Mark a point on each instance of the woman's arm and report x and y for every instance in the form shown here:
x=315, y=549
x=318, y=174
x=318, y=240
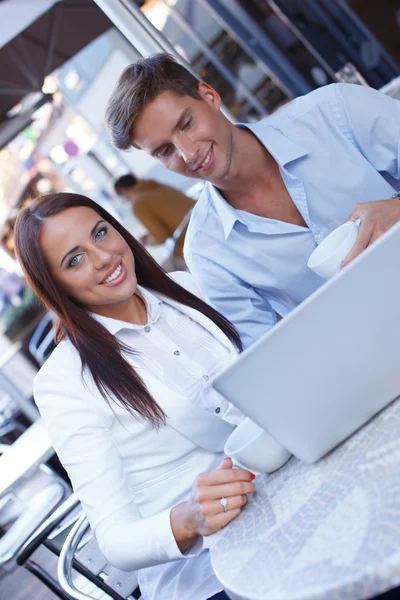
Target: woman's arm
x=82, y=439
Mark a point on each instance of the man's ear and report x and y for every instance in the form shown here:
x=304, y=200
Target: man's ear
x=209, y=94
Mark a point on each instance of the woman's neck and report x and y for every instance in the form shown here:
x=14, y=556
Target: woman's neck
x=132, y=310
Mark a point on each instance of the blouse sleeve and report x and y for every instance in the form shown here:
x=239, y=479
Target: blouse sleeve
x=83, y=441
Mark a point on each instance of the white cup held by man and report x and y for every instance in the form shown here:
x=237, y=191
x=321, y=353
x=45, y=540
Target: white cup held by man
x=254, y=449
x=327, y=258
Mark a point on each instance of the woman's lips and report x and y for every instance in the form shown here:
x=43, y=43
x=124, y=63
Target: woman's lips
x=121, y=276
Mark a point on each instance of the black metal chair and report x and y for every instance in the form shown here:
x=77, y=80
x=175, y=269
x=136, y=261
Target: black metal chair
x=83, y=572
x=22, y=510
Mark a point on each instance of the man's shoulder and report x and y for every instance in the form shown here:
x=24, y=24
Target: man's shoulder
x=296, y=108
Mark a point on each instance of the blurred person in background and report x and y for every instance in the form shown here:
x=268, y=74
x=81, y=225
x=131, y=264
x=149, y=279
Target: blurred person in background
x=159, y=207
x=12, y=287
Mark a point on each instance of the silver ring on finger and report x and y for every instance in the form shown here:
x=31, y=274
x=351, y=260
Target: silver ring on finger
x=224, y=503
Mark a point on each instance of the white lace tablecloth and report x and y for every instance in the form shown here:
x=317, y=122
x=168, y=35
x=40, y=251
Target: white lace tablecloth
x=326, y=531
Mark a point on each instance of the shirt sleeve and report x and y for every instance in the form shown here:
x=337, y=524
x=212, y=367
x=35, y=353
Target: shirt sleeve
x=86, y=448
x=250, y=313
x=372, y=120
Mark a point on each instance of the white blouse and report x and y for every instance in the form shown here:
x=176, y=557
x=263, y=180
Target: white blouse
x=127, y=474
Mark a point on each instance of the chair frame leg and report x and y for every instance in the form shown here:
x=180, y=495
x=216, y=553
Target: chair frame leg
x=49, y=581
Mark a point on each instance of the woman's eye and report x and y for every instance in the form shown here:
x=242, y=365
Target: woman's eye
x=75, y=260
x=187, y=124
x=100, y=234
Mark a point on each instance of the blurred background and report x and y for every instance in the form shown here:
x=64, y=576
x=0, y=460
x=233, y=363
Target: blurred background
x=59, y=61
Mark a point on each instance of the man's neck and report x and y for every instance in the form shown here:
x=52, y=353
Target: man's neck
x=255, y=184
x=252, y=169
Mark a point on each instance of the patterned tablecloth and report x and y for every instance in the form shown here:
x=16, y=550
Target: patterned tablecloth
x=326, y=531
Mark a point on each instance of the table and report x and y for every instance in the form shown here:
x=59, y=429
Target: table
x=32, y=448
x=325, y=531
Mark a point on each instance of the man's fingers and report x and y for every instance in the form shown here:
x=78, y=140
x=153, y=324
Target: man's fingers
x=376, y=235
x=352, y=217
x=363, y=240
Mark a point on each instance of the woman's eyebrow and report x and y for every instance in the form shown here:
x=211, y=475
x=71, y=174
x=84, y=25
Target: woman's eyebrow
x=75, y=248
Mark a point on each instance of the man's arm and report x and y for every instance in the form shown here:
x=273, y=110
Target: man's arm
x=251, y=314
x=373, y=121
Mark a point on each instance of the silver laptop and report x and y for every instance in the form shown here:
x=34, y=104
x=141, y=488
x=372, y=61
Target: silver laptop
x=332, y=364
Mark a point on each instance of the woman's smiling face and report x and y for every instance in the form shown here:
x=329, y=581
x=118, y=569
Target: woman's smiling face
x=89, y=259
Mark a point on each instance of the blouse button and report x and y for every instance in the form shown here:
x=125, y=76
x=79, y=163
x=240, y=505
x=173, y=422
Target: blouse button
x=205, y=378
x=147, y=329
x=177, y=353
x=218, y=410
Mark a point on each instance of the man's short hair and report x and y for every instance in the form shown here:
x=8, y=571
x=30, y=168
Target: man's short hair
x=139, y=85
x=125, y=182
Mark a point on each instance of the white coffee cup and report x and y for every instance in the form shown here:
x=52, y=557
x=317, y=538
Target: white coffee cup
x=327, y=258
x=253, y=448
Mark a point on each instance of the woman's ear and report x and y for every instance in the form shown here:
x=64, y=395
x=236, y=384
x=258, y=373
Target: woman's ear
x=209, y=94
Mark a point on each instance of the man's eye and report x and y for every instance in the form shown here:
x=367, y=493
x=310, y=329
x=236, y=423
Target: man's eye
x=163, y=153
x=100, y=234
x=75, y=260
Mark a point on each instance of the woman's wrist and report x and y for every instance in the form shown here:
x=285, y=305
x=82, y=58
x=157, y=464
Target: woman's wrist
x=183, y=527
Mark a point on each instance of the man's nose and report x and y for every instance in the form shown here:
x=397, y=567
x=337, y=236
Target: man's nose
x=188, y=150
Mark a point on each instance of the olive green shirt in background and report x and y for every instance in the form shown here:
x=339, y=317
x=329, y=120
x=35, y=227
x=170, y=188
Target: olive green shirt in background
x=160, y=209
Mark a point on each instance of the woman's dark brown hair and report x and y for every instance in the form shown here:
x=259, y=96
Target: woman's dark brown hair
x=100, y=351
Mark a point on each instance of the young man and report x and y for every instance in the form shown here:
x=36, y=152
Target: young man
x=159, y=207
x=276, y=188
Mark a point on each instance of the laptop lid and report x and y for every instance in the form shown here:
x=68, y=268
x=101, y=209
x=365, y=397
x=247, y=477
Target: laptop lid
x=332, y=363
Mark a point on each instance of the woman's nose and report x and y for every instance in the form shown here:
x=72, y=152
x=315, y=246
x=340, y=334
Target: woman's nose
x=102, y=258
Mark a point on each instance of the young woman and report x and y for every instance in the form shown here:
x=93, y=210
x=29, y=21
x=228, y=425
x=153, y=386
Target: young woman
x=126, y=395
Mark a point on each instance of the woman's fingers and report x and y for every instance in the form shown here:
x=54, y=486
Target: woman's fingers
x=214, y=507
x=225, y=490
x=223, y=475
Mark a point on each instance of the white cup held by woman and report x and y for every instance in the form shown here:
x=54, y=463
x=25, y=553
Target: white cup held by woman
x=255, y=449
x=327, y=258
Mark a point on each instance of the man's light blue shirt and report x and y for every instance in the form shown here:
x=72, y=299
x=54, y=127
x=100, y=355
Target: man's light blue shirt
x=335, y=147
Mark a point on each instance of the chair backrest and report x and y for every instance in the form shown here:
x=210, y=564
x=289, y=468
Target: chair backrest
x=80, y=551
x=27, y=505
x=42, y=341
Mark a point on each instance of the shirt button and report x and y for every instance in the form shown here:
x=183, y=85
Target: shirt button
x=317, y=236
x=218, y=410
x=147, y=329
x=205, y=378
x=177, y=353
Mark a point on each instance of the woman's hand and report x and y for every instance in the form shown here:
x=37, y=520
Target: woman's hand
x=203, y=513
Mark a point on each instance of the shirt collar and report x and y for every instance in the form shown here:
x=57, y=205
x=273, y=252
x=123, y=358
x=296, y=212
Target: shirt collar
x=278, y=145
x=153, y=305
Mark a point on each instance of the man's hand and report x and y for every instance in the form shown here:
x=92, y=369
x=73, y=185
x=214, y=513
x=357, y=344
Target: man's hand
x=376, y=218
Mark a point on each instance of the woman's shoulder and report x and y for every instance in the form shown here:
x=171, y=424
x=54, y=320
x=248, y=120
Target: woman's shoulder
x=187, y=281
x=63, y=365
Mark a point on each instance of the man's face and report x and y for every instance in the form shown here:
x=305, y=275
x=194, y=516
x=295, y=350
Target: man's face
x=187, y=135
